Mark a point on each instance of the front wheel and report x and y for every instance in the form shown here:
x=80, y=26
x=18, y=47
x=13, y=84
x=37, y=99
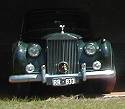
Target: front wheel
x=101, y=86
x=108, y=84
x=20, y=89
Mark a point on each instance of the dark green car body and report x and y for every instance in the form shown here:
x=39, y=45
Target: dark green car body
x=66, y=55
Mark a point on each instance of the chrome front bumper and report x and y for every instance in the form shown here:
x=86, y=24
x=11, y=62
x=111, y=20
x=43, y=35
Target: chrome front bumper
x=44, y=77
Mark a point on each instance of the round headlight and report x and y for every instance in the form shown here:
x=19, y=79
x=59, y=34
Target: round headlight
x=30, y=68
x=34, y=50
x=90, y=49
x=96, y=65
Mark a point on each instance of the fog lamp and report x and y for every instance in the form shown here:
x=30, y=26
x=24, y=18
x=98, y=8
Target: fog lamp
x=96, y=65
x=30, y=68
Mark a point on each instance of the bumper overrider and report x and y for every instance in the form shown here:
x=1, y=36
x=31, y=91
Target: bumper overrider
x=48, y=79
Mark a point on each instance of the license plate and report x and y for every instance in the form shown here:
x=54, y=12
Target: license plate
x=63, y=81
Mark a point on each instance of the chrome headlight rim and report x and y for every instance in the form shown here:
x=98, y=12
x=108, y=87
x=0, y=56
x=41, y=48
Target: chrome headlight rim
x=89, y=47
x=34, y=50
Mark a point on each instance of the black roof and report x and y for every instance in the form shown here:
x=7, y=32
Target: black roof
x=52, y=18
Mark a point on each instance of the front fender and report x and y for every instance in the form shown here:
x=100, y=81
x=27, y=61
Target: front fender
x=104, y=54
x=19, y=57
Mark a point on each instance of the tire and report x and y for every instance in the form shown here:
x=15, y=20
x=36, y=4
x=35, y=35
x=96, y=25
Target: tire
x=20, y=89
x=101, y=86
x=108, y=85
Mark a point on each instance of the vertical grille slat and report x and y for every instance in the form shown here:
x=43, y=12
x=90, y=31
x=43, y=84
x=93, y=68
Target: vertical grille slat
x=62, y=50
x=70, y=54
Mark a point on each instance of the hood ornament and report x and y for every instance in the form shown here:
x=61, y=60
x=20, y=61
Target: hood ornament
x=62, y=28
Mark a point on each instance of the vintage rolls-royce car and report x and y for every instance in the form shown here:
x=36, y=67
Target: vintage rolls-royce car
x=57, y=48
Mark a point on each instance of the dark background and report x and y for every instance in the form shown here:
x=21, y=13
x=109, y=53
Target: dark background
x=107, y=20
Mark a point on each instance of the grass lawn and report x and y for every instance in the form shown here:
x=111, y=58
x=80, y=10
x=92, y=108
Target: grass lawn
x=63, y=102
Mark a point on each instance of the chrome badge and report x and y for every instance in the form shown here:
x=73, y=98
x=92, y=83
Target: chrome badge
x=63, y=67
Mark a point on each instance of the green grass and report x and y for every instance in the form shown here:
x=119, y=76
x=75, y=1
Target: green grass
x=63, y=103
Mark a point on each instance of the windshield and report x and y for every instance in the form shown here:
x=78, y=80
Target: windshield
x=50, y=19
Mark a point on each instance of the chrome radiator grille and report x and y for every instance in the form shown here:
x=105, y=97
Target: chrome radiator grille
x=62, y=51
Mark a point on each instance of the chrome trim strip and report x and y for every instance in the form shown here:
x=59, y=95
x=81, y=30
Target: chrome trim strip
x=64, y=75
x=38, y=77
x=25, y=78
x=100, y=74
x=105, y=72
